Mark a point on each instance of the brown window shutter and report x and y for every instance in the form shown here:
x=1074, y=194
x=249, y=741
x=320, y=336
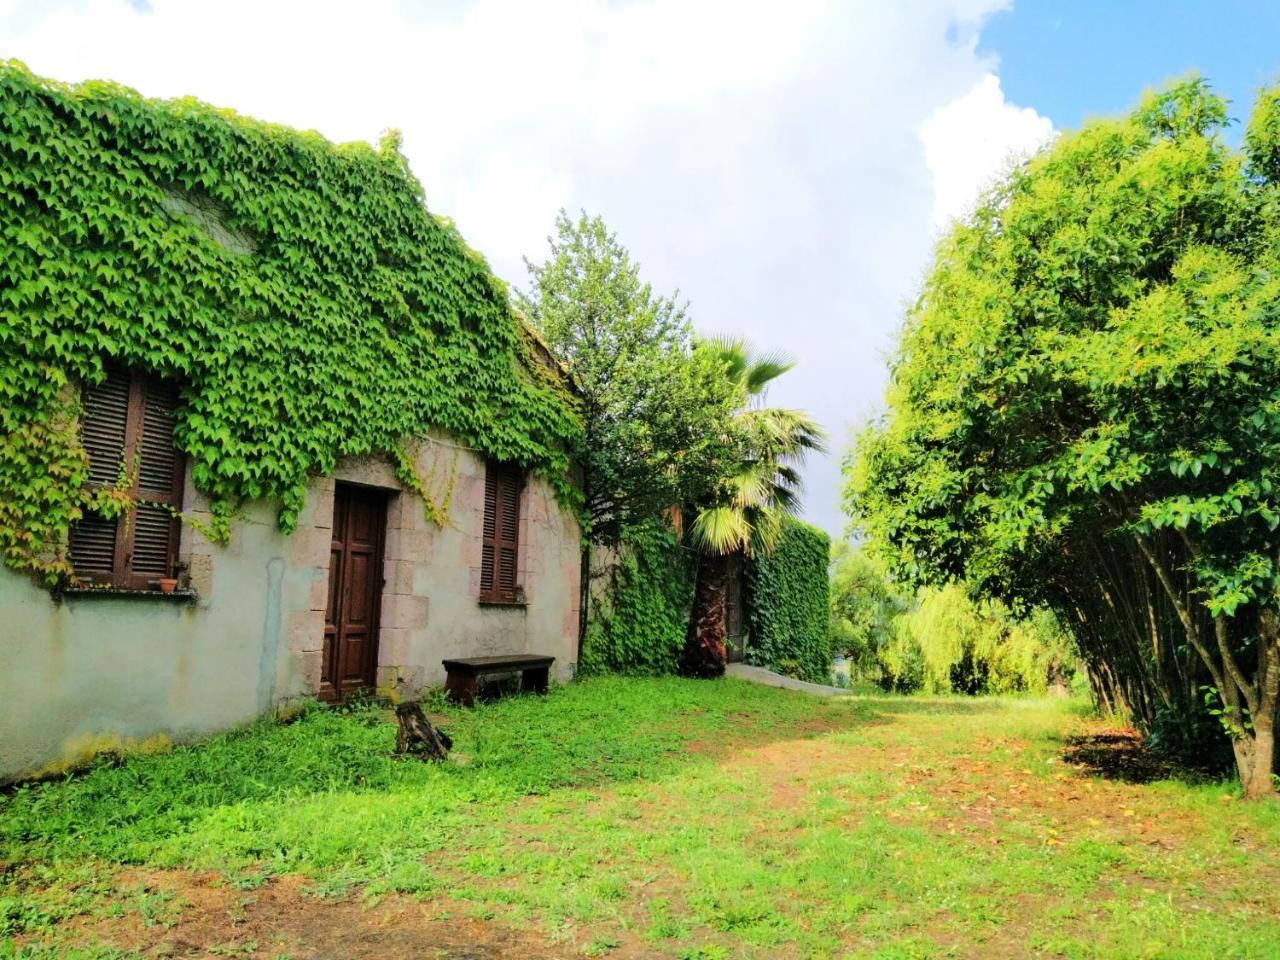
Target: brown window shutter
x=156, y=530
x=93, y=548
x=127, y=422
x=508, y=533
x=104, y=419
x=102, y=426
x=501, y=533
x=159, y=463
x=490, y=549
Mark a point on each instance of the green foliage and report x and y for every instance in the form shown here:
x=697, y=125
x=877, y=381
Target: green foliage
x=300, y=293
x=865, y=607
x=755, y=490
x=1085, y=406
x=638, y=626
x=949, y=643
x=757, y=481
x=788, y=606
x=654, y=408
x=1081, y=324
x=940, y=640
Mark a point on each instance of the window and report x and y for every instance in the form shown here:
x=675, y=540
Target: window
x=127, y=429
x=501, y=534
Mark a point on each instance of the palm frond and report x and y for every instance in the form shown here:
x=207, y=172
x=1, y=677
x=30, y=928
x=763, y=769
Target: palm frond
x=730, y=351
x=721, y=530
x=788, y=476
x=784, y=499
x=763, y=370
x=761, y=484
x=752, y=486
x=766, y=531
x=776, y=432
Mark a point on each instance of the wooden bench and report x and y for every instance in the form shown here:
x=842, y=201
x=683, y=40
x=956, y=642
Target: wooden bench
x=461, y=675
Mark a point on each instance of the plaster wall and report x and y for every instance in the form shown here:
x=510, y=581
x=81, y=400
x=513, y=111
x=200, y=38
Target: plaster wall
x=92, y=673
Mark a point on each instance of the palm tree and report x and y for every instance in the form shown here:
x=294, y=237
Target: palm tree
x=759, y=487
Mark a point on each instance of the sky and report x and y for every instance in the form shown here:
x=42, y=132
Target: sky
x=786, y=168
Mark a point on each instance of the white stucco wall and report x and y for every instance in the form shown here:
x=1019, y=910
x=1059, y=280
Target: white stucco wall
x=92, y=673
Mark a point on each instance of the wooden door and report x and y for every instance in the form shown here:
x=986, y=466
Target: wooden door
x=355, y=592
x=735, y=628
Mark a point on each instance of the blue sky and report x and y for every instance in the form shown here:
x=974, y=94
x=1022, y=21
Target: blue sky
x=787, y=167
x=1075, y=59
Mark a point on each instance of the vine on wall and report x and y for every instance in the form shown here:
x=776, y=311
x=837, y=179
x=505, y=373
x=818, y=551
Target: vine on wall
x=638, y=625
x=788, y=605
x=299, y=291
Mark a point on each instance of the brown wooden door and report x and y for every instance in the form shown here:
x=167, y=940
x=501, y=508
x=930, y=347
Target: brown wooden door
x=735, y=628
x=355, y=593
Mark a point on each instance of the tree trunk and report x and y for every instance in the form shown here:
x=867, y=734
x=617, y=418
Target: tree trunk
x=704, y=651
x=1261, y=778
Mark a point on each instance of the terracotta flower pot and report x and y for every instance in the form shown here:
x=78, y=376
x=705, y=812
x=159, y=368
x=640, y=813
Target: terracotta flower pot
x=167, y=585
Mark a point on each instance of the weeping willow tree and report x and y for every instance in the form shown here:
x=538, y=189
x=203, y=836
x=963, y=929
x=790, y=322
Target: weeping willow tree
x=940, y=639
x=1085, y=412
x=947, y=642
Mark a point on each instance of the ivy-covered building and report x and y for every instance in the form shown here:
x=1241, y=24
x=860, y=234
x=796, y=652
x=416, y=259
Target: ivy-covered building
x=268, y=429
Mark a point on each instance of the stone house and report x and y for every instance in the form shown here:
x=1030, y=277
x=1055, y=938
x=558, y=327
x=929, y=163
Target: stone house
x=257, y=623
x=166, y=633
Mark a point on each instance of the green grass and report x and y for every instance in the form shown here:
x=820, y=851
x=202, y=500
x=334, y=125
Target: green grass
x=680, y=819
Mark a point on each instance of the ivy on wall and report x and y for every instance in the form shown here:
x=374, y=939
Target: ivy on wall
x=787, y=594
x=300, y=293
x=638, y=625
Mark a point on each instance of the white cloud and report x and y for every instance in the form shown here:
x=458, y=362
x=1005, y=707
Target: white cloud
x=765, y=158
x=971, y=141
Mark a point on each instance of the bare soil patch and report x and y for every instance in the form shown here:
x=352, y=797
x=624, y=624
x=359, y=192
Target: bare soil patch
x=209, y=917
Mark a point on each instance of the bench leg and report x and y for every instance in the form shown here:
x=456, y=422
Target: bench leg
x=461, y=689
x=535, y=680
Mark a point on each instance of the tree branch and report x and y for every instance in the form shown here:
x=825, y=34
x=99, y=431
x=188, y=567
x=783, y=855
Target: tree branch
x=1184, y=615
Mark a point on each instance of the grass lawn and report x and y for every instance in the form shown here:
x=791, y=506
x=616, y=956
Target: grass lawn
x=641, y=818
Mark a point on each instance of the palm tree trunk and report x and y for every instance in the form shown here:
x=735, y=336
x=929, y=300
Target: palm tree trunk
x=704, y=651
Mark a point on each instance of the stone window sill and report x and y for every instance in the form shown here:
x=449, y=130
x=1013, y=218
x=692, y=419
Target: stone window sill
x=78, y=593
x=494, y=602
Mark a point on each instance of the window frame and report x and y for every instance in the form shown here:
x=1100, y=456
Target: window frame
x=140, y=388
x=499, y=477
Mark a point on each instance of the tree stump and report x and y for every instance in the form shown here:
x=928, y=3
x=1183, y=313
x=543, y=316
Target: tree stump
x=417, y=737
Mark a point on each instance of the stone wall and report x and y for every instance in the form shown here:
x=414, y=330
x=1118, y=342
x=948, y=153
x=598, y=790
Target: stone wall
x=87, y=674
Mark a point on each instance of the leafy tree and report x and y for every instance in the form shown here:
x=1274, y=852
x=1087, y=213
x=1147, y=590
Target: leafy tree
x=949, y=643
x=654, y=409
x=1085, y=412
x=940, y=639
x=865, y=605
x=758, y=485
